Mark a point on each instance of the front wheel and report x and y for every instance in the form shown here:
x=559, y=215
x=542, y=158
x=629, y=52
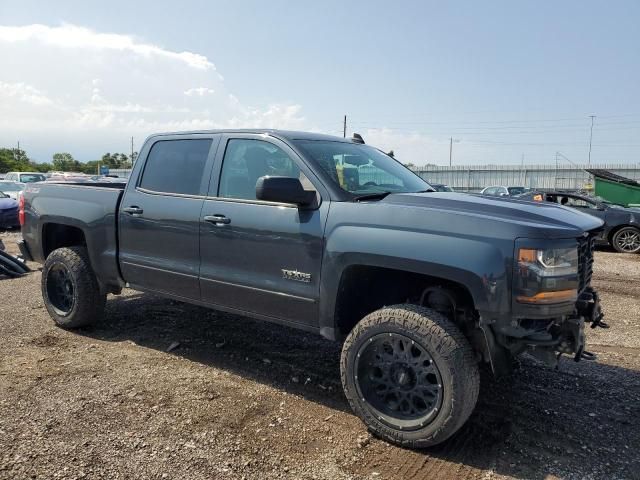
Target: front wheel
x=70, y=289
x=626, y=240
x=410, y=375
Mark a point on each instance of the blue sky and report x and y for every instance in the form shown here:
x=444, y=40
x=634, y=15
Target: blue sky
x=505, y=79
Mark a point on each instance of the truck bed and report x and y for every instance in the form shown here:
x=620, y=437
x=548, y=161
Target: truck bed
x=89, y=209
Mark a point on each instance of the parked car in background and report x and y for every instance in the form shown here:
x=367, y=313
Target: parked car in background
x=12, y=189
x=621, y=224
x=8, y=212
x=25, y=177
x=502, y=191
x=441, y=187
x=2, y=176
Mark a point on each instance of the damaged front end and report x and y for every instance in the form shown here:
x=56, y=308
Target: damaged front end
x=552, y=300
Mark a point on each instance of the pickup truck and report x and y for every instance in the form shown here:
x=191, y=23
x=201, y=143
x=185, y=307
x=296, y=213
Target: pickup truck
x=331, y=236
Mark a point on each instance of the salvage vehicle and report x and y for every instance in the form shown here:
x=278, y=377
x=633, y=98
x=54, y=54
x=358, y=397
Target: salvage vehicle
x=421, y=287
x=621, y=224
x=8, y=212
x=25, y=177
x=502, y=191
x=12, y=189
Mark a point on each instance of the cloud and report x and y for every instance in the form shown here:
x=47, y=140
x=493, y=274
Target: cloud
x=75, y=89
x=199, y=91
x=72, y=36
x=23, y=93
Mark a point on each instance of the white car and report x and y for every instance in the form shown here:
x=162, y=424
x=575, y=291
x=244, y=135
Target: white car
x=25, y=177
x=12, y=189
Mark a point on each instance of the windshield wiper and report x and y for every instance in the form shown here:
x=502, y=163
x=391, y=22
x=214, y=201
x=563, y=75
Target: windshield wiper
x=371, y=196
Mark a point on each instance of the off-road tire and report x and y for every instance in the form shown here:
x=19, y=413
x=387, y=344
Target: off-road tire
x=451, y=353
x=88, y=301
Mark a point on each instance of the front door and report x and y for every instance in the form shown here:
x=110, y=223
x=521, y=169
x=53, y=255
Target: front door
x=159, y=216
x=257, y=256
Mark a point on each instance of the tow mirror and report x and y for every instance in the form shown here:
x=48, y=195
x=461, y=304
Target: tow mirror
x=283, y=190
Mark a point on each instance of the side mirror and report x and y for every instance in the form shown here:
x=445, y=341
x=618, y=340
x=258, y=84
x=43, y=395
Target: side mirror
x=283, y=190
x=502, y=194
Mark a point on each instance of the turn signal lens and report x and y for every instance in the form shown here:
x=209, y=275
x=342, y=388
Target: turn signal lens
x=550, y=297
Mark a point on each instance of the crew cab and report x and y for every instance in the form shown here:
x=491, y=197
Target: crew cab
x=335, y=237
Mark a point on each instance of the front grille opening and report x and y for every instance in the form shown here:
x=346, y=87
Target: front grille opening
x=585, y=261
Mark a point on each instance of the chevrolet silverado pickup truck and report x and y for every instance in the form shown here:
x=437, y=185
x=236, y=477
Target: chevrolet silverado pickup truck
x=332, y=236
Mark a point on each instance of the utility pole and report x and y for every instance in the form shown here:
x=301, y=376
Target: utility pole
x=344, y=128
x=131, y=152
x=450, y=150
x=591, y=137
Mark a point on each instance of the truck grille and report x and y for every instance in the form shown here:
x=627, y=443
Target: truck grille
x=585, y=261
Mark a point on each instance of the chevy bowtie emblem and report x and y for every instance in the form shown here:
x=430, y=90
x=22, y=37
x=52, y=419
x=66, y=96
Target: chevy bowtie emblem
x=296, y=275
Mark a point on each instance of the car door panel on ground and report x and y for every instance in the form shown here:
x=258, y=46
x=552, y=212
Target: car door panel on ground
x=159, y=216
x=266, y=252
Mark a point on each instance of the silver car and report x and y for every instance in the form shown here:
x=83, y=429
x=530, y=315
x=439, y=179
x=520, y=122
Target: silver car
x=12, y=189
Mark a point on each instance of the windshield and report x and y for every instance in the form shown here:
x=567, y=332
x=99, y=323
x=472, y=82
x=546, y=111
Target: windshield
x=361, y=169
x=32, y=177
x=517, y=190
x=11, y=187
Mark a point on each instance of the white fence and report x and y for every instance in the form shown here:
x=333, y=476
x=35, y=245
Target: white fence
x=544, y=177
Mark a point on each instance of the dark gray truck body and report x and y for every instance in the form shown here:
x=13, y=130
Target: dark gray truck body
x=353, y=256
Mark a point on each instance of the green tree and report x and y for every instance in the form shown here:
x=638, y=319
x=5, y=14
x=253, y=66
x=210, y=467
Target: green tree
x=65, y=162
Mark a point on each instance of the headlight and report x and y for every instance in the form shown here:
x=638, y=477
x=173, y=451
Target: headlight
x=547, y=276
x=550, y=261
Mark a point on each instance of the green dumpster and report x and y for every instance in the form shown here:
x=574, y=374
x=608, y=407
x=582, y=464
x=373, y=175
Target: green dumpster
x=615, y=188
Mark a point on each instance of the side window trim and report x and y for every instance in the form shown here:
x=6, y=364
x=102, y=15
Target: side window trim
x=214, y=186
x=207, y=171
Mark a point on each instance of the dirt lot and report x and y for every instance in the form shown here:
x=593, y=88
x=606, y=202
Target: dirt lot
x=243, y=399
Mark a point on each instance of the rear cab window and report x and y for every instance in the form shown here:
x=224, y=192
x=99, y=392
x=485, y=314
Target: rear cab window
x=176, y=166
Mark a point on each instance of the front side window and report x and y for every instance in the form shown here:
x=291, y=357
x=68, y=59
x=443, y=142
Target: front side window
x=176, y=166
x=245, y=161
x=361, y=169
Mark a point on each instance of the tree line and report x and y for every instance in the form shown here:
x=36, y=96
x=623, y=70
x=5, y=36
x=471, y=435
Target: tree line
x=16, y=160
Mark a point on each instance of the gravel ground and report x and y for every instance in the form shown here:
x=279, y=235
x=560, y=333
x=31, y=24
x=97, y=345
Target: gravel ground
x=237, y=398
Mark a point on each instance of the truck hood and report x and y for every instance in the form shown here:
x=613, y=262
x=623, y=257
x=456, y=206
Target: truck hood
x=531, y=219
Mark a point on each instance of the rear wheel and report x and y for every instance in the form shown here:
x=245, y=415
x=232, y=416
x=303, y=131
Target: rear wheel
x=626, y=240
x=70, y=289
x=410, y=375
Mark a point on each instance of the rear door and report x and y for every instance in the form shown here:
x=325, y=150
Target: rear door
x=159, y=216
x=261, y=257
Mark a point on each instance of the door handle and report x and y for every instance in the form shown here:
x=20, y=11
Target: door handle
x=133, y=210
x=217, y=219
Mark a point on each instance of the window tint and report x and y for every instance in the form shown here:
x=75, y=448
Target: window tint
x=361, y=169
x=176, y=166
x=32, y=177
x=245, y=161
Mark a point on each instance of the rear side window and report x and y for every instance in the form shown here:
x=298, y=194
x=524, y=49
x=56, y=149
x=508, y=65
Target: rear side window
x=176, y=166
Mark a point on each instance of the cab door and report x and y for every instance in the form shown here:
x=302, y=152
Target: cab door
x=159, y=217
x=256, y=256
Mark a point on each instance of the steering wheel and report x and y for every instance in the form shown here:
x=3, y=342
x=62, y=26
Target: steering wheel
x=370, y=184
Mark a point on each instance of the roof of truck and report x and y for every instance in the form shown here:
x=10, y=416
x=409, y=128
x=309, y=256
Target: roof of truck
x=284, y=134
